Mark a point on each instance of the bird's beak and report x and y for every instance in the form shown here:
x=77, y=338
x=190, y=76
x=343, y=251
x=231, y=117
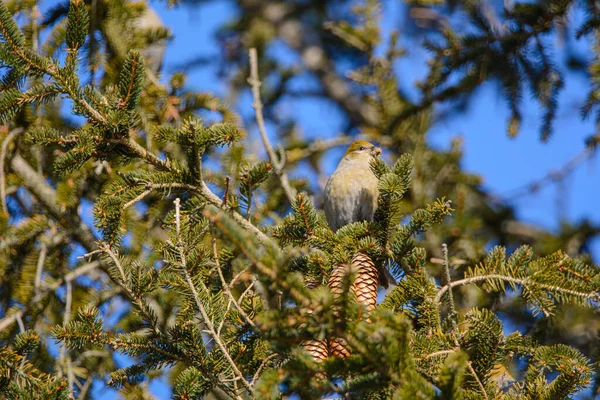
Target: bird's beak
x=376, y=152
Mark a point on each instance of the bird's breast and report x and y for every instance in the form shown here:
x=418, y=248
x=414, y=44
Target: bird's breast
x=350, y=196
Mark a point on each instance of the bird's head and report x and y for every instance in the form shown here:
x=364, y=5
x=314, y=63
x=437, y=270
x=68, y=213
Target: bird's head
x=361, y=150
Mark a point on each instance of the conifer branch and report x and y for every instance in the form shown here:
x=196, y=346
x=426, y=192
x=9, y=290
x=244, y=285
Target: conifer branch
x=518, y=281
x=144, y=154
x=47, y=197
x=205, y=317
x=203, y=190
x=278, y=163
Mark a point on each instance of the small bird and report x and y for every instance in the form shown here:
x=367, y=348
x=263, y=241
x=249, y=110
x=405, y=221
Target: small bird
x=351, y=192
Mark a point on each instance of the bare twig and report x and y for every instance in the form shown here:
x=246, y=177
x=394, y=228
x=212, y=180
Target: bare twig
x=260, y=368
x=137, y=198
x=246, y=291
x=106, y=249
x=20, y=323
x=222, y=323
x=235, y=278
x=40, y=267
x=226, y=193
x=437, y=353
x=226, y=290
x=278, y=162
x=66, y=358
x=12, y=134
x=448, y=282
x=46, y=195
x=91, y=253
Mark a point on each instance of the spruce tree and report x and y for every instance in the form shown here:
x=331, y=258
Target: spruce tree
x=227, y=277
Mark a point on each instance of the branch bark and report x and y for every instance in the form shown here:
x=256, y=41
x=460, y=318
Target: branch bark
x=278, y=164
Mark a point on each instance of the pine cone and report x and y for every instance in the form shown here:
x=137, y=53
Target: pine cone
x=367, y=280
x=311, y=283
x=317, y=348
x=339, y=348
x=336, y=277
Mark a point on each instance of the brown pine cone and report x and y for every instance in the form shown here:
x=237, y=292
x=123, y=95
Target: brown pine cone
x=367, y=280
x=336, y=277
x=339, y=348
x=317, y=348
x=311, y=283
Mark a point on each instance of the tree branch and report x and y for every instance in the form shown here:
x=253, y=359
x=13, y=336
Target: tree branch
x=37, y=185
x=205, y=317
x=518, y=281
x=69, y=277
x=278, y=164
x=224, y=284
x=11, y=135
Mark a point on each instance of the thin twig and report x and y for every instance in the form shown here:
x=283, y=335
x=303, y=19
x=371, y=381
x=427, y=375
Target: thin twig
x=260, y=368
x=117, y=263
x=85, y=388
x=226, y=193
x=522, y=282
x=246, y=291
x=471, y=368
x=66, y=320
x=555, y=175
x=137, y=198
x=235, y=278
x=228, y=293
x=222, y=323
x=437, y=353
x=20, y=323
x=318, y=146
x=3, y=151
x=39, y=268
x=278, y=163
x=448, y=282
x=91, y=253
x=74, y=274
x=485, y=396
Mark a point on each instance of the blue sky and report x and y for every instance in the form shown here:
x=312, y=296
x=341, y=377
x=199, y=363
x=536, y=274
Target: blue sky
x=504, y=163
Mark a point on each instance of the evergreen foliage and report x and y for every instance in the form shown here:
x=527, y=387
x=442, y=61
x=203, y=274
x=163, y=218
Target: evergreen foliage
x=220, y=279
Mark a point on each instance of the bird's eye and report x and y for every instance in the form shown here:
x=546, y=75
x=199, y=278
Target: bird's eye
x=362, y=147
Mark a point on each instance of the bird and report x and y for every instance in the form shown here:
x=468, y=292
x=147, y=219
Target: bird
x=352, y=191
